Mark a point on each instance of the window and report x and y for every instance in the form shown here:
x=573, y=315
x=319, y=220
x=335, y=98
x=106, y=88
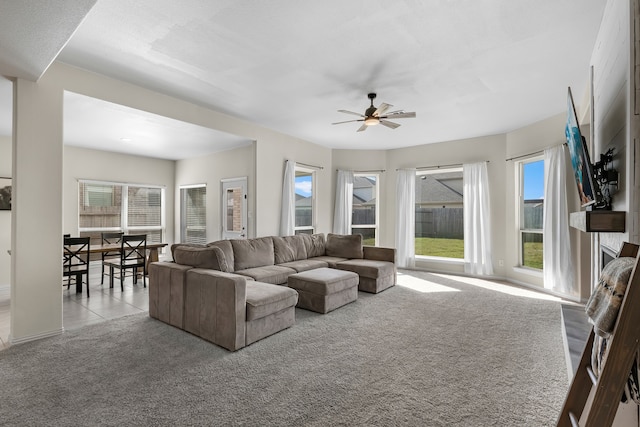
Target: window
x=364, y=219
x=193, y=214
x=305, y=198
x=531, y=208
x=439, y=213
x=133, y=209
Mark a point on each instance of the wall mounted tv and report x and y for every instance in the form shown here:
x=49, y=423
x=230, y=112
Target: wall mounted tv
x=588, y=188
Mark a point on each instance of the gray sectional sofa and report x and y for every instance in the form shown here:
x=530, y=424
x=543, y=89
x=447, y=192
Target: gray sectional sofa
x=231, y=292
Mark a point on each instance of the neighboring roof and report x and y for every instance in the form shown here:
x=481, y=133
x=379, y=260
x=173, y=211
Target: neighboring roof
x=439, y=188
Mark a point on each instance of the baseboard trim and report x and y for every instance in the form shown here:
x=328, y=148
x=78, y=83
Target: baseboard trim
x=14, y=341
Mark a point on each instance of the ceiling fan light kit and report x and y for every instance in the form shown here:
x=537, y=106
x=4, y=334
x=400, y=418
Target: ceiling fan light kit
x=376, y=115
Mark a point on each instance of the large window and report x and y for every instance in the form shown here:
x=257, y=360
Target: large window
x=193, y=214
x=531, y=207
x=133, y=209
x=305, y=200
x=439, y=213
x=365, y=208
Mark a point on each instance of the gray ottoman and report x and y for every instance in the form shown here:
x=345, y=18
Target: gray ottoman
x=324, y=289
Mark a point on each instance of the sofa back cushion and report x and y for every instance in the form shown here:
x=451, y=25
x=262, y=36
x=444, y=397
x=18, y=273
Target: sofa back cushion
x=251, y=253
x=191, y=245
x=344, y=245
x=211, y=258
x=289, y=248
x=315, y=244
x=226, y=247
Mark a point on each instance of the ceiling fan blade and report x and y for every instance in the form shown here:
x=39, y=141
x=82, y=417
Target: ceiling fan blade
x=362, y=128
x=348, y=121
x=389, y=124
x=381, y=109
x=350, y=112
x=403, y=115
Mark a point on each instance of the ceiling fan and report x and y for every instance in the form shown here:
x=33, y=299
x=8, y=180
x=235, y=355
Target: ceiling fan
x=373, y=116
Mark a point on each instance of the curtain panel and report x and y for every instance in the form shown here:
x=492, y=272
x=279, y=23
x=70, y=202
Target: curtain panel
x=405, y=217
x=344, y=203
x=288, y=211
x=556, y=246
x=477, y=219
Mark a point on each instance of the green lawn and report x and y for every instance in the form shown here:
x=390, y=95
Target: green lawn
x=448, y=248
x=533, y=255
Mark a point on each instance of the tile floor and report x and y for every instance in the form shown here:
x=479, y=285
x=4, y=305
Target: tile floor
x=78, y=310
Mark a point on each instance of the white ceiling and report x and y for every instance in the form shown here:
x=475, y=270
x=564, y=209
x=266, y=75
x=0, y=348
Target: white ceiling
x=467, y=67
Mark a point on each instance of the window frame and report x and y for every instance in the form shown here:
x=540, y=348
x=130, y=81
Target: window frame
x=376, y=225
x=124, y=209
x=307, y=229
x=520, y=226
x=184, y=238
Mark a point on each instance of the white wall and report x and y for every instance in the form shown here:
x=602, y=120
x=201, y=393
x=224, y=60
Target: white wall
x=210, y=170
x=82, y=163
x=5, y=216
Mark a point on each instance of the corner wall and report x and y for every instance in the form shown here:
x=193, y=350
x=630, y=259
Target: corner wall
x=5, y=216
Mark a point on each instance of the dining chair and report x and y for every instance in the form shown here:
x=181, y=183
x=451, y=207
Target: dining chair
x=133, y=255
x=75, y=262
x=110, y=238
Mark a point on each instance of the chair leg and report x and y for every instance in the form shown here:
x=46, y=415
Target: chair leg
x=144, y=275
x=122, y=279
x=111, y=276
x=102, y=277
x=87, y=284
x=135, y=275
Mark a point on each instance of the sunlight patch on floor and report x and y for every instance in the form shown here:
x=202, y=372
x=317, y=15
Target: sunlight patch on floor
x=499, y=287
x=422, y=285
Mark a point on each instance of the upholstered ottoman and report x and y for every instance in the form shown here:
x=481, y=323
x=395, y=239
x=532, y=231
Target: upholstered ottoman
x=324, y=289
x=375, y=276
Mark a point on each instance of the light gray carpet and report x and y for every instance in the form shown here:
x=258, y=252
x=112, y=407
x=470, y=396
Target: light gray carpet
x=476, y=357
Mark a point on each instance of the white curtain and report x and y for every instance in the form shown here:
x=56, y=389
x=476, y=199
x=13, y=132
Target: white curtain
x=288, y=212
x=405, y=218
x=477, y=219
x=344, y=203
x=556, y=247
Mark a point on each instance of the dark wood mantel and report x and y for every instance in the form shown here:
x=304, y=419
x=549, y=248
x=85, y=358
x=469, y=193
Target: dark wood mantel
x=598, y=221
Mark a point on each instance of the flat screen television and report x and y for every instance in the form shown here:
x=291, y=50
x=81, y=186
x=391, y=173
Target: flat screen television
x=588, y=188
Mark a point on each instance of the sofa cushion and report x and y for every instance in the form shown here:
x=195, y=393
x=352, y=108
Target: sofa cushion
x=251, y=253
x=314, y=243
x=200, y=257
x=330, y=260
x=264, y=299
x=368, y=268
x=344, y=245
x=227, y=249
x=305, y=264
x=274, y=274
x=191, y=245
x=289, y=248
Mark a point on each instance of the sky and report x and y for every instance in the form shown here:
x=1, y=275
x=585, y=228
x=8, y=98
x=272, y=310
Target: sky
x=303, y=185
x=534, y=180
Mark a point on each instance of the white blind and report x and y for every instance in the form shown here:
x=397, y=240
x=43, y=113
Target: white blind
x=144, y=207
x=194, y=215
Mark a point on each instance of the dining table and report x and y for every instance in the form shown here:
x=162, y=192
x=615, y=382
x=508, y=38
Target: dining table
x=115, y=247
x=152, y=256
